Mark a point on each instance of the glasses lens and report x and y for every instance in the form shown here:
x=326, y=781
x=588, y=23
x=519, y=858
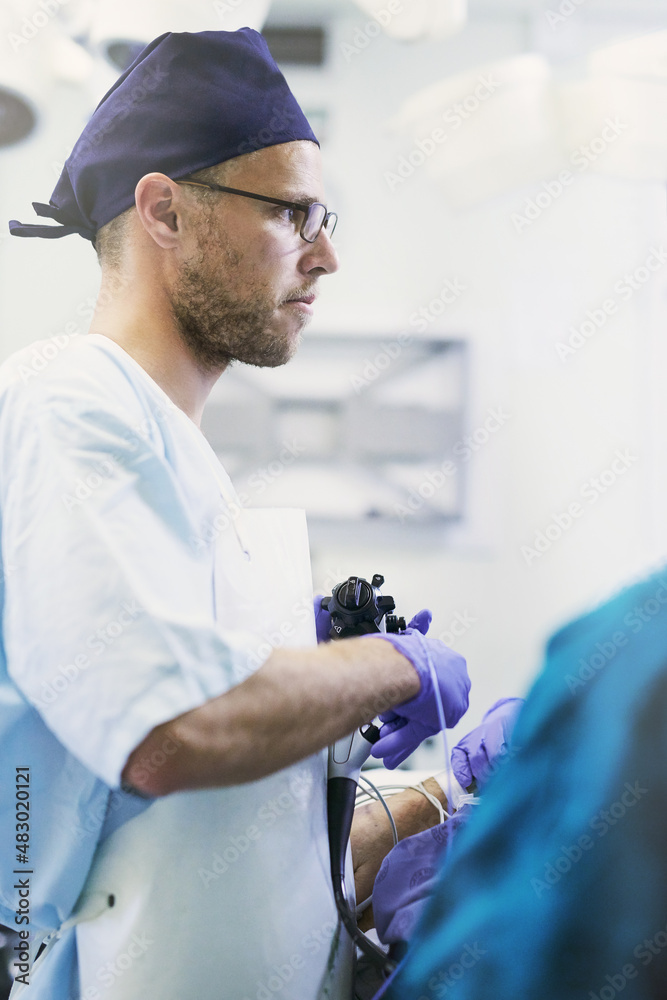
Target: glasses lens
x=330, y=224
x=313, y=222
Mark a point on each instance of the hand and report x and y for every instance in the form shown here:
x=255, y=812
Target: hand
x=476, y=754
x=322, y=619
x=371, y=836
x=370, y=841
x=409, y=723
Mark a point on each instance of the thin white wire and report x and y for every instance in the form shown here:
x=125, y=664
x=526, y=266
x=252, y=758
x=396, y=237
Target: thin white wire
x=364, y=796
x=380, y=797
x=443, y=727
x=435, y=802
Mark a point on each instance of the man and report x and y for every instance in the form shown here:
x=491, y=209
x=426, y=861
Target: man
x=140, y=599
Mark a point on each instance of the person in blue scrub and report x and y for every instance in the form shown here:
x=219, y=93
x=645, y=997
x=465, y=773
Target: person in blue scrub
x=557, y=887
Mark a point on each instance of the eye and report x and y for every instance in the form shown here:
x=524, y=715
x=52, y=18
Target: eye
x=291, y=216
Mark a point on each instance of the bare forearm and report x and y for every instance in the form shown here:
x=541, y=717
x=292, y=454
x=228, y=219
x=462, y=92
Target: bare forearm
x=298, y=702
x=372, y=839
x=412, y=814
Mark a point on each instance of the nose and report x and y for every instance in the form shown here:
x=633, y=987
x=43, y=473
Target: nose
x=320, y=257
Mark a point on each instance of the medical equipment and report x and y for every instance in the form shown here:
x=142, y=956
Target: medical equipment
x=356, y=608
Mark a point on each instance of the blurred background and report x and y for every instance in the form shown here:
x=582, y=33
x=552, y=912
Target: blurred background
x=478, y=410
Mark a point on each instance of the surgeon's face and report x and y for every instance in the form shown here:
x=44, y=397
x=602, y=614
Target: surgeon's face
x=245, y=291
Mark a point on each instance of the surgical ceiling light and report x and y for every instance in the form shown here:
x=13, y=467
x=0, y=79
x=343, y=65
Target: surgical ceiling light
x=484, y=132
x=22, y=72
x=418, y=19
x=618, y=114
x=637, y=58
x=18, y=118
x=69, y=61
x=121, y=28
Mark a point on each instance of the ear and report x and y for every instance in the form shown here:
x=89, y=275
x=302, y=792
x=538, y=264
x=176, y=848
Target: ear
x=159, y=206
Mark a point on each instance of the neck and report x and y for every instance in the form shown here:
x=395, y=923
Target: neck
x=138, y=318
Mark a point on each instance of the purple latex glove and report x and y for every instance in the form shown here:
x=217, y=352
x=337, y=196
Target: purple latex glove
x=409, y=724
x=477, y=753
x=322, y=619
x=408, y=878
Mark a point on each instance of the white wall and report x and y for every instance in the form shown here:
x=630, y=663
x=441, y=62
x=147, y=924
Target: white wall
x=524, y=290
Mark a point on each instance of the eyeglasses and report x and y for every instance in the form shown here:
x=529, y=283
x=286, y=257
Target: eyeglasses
x=315, y=216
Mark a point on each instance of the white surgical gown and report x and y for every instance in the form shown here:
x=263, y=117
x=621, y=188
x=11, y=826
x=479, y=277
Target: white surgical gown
x=108, y=523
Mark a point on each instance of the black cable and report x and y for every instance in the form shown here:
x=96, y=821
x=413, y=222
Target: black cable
x=370, y=950
x=341, y=794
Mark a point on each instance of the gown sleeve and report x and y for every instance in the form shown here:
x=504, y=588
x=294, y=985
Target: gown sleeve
x=109, y=621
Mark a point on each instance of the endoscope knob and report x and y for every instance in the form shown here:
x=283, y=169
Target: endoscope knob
x=394, y=624
x=355, y=593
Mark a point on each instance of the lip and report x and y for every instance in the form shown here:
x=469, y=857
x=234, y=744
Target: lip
x=304, y=304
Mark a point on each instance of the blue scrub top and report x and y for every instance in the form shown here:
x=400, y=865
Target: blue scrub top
x=558, y=886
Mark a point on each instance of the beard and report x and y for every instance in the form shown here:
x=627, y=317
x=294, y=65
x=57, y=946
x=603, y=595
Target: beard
x=219, y=328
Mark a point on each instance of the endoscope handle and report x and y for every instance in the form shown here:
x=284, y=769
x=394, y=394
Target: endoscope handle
x=345, y=759
x=347, y=755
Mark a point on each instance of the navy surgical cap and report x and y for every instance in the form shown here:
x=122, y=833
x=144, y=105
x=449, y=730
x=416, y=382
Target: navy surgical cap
x=188, y=101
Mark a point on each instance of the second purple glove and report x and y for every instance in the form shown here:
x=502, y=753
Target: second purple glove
x=410, y=723
x=322, y=619
x=477, y=753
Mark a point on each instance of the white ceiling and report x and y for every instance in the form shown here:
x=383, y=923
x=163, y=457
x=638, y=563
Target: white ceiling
x=312, y=11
